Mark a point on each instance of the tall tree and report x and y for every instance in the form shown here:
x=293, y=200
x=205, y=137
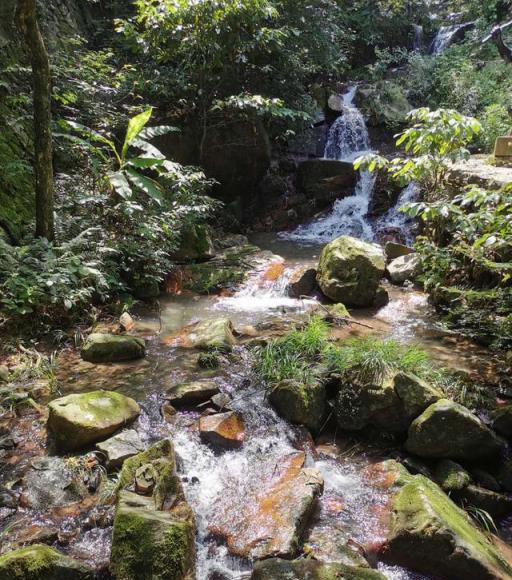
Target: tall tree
x=26, y=17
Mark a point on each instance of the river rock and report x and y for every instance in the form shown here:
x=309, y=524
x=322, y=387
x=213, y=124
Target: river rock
x=390, y=405
x=272, y=523
x=497, y=505
x=120, y=447
x=431, y=535
x=195, y=244
x=299, y=403
x=350, y=271
x=449, y=430
x=49, y=483
x=404, y=268
x=277, y=569
x=321, y=178
x=190, y=394
x=126, y=322
x=79, y=420
x=451, y=476
x=39, y=562
x=302, y=282
x=216, y=334
x=154, y=535
x=105, y=348
x=503, y=421
x=395, y=250
x=224, y=430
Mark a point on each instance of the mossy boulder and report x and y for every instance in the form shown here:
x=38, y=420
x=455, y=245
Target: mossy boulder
x=299, y=403
x=451, y=476
x=77, y=421
x=431, y=535
x=216, y=334
x=195, y=244
x=105, y=348
x=320, y=178
x=150, y=544
x=39, y=562
x=154, y=528
x=449, y=430
x=395, y=250
x=384, y=104
x=497, y=505
x=503, y=421
x=389, y=404
x=350, y=271
x=277, y=569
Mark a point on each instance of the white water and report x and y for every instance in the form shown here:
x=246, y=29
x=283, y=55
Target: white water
x=348, y=139
x=444, y=37
x=395, y=220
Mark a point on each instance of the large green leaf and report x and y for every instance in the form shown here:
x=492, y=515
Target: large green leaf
x=120, y=184
x=147, y=185
x=135, y=126
x=93, y=136
x=145, y=162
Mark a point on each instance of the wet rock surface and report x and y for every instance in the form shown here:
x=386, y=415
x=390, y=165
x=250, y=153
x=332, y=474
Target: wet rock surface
x=77, y=421
x=194, y=393
x=222, y=431
x=273, y=525
x=122, y=446
x=277, y=569
x=299, y=403
x=350, y=271
x=106, y=348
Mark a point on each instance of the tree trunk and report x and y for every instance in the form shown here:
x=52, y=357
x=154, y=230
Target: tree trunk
x=26, y=16
x=503, y=49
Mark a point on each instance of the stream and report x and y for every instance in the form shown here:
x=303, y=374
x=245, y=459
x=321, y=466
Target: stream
x=223, y=488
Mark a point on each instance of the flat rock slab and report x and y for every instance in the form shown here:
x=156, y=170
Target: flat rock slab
x=190, y=394
x=77, y=421
x=477, y=171
x=216, y=334
x=105, y=348
x=273, y=522
x=224, y=430
x=120, y=447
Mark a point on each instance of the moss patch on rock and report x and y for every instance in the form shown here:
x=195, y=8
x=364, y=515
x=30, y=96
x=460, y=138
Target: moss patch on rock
x=299, y=403
x=39, y=562
x=104, y=348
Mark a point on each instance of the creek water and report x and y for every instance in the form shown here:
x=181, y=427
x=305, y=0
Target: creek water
x=223, y=488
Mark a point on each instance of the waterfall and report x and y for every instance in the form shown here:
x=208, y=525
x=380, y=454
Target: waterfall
x=446, y=36
x=348, y=139
x=394, y=220
x=418, y=41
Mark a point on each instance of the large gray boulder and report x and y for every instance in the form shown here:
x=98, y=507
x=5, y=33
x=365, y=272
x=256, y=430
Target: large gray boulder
x=404, y=268
x=39, y=562
x=79, y=420
x=215, y=334
x=449, y=430
x=104, y=348
x=350, y=271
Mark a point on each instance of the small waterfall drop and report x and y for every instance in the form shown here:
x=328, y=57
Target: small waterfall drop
x=446, y=35
x=348, y=139
x=396, y=221
x=419, y=40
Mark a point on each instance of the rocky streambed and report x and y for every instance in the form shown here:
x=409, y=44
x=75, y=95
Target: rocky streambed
x=161, y=454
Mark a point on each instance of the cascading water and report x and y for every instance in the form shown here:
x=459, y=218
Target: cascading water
x=395, y=220
x=348, y=139
x=446, y=36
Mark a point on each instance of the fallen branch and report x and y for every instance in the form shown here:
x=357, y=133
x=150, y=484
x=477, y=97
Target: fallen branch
x=345, y=319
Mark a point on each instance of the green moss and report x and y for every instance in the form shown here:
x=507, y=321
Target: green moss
x=150, y=544
x=451, y=476
x=161, y=456
x=39, y=562
x=430, y=533
x=100, y=348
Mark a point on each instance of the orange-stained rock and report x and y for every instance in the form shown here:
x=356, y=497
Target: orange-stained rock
x=273, y=522
x=274, y=271
x=225, y=430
